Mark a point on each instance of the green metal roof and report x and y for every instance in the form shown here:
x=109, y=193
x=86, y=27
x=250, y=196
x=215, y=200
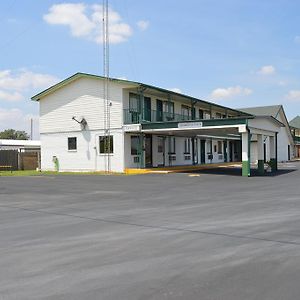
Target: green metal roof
x=139, y=84
x=295, y=122
x=271, y=110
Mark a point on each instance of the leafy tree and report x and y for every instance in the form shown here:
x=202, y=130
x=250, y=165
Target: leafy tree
x=11, y=134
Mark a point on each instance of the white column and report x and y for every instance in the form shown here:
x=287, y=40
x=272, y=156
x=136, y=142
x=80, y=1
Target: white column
x=272, y=147
x=260, y=154
x=245, y=154
x=227, y=151
x=260, y=147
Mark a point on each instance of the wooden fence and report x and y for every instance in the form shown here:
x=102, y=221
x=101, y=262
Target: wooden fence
x=15, y=160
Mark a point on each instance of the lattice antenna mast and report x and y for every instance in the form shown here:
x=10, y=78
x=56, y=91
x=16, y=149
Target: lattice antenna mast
x=107, y=103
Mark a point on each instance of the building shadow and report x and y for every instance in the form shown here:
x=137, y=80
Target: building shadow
x=235, y=171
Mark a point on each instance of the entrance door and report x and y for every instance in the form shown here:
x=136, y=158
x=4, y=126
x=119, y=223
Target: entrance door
x=148, y=151
x=160, y=151
x=147, y=109
x=202, y=151
x=159, y=110
x=289, y=152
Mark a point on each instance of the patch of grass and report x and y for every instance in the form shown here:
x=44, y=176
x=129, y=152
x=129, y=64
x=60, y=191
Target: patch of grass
x=45, y=173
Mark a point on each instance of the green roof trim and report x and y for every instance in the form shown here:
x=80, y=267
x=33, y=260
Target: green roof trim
x=295, y=123
x=207, y=122
x=76, y=76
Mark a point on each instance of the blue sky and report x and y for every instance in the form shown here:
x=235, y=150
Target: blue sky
x=233, y=52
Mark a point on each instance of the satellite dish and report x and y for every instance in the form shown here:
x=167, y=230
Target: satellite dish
x=83, y=122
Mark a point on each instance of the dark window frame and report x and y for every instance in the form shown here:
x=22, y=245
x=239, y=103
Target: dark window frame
x=70, y=147
x=134, y=150
x=172, y=146
x=104, y=144
x=220, y=147
x=187, y=146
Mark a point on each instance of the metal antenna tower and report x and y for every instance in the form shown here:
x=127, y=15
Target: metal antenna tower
x=107, y=103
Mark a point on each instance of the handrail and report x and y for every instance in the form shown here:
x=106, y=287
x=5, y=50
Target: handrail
x=132, y=116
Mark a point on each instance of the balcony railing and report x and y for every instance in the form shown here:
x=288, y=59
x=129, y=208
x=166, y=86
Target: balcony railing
x=296, y=139
x=148, y=116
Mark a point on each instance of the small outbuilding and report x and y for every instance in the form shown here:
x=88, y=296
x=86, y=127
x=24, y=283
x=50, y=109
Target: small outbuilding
x=285, y=141
x=295, y=129
x=19, y=154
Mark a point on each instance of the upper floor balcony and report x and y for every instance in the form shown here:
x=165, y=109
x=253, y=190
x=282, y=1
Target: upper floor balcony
x=153, y=116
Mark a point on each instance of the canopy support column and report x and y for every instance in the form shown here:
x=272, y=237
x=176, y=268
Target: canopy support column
x=246, y=138
x=273, y=152
x=260, y=155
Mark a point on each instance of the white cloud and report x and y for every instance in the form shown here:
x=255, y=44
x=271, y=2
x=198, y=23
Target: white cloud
x=13, y=84
x=10, y=96
x=267, y=70
x=230, y=92
x=8, y=119
x=143, y=25
x=293, y=96
x=176, y=90
x=85, y=21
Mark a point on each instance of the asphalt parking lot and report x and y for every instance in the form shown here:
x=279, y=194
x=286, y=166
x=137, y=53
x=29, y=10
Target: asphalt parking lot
x=177, y=236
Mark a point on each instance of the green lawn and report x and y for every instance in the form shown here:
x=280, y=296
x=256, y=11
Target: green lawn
x=37, y=173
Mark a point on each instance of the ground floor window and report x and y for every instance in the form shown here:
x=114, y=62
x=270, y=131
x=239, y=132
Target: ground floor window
x=72, y=143
x=135, y=141
x=160, y=144
x=187, y=146
x=106, y=144
x=172, y=145
x=220, y=150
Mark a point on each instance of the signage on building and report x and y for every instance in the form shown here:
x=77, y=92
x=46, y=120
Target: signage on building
x=132, y=127
x=190, y=125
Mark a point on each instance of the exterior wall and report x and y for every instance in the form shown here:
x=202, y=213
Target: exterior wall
x=284, y=141
x=159, y=158
x=87, y=157
x=82, y=98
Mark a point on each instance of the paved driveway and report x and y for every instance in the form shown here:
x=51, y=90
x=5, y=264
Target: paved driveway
x=177, y=236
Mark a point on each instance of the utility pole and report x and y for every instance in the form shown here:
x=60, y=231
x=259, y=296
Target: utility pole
x=31, y=129
x=107, y=103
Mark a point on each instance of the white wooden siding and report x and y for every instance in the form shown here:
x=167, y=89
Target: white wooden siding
x=81, y=98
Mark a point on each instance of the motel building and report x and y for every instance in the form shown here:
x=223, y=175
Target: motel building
x=150, y=127
x=295, y=129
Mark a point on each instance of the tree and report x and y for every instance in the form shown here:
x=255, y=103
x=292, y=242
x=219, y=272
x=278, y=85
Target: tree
x=11, y=134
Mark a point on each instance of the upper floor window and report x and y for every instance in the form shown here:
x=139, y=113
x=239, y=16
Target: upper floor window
x=207, y=115
x=106, y=144
x=168, y=108
x=185, y=112
x=72, y=143
x=201, y=114
x=134, y=102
